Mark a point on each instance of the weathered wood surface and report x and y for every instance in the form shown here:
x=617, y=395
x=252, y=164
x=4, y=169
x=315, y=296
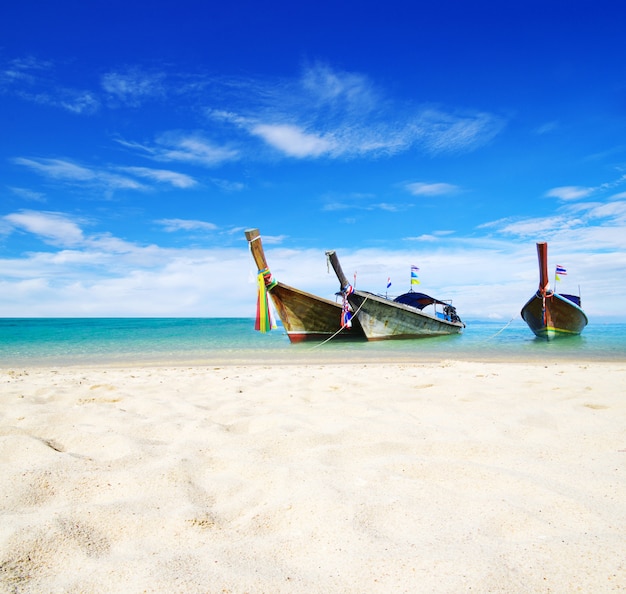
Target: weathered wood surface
x=383, y=318
x=303, y=315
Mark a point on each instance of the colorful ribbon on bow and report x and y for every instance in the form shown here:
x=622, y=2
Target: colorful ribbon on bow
x=346, y=314
x=264, y=319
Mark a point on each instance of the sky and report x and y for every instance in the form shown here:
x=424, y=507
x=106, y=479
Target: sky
x=139, y=141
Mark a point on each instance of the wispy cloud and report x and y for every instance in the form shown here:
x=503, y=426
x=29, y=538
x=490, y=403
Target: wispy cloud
x=227, y=185
x=323, y=113
x=68, y=171
x=27, y=194
x=599, y=222
x=184, y=148
x=335, y=114
x=22, y=70
x=178, y=180
x=431, y=189
x=546, y=128
x=65, y=231
x=293, y=141
x=52, y=227
x=361, y=202
x=569, y=192
x=173, y=225
x=430, y=237
x=133, y=86
x=274, y=239
x=536, y=227
x=33, y=80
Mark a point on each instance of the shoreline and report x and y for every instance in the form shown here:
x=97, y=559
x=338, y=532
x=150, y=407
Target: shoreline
x=310, y=358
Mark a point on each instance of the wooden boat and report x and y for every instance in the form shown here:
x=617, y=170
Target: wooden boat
x=304, y=316
x=549, y=314
x=403, y=317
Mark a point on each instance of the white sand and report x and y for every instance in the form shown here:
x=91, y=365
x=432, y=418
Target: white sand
x=442, y=477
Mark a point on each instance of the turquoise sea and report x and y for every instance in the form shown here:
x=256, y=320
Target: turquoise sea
x=193, y=341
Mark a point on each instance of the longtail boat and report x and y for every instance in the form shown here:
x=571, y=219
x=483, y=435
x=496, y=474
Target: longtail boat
x=403, y=317
x=304, y=316
x=548, y=314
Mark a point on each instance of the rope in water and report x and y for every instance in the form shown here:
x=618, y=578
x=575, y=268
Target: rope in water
x=340, y=329
x=501, y=330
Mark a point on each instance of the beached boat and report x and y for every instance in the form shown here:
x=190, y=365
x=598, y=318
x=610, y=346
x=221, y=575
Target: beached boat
x=304, y=316
x=548, y=314
x=403, y=317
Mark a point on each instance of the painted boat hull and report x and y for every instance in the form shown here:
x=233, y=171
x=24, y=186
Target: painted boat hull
x=562, y=317
x=382, y=319
x=304, y=316
x=308, y=317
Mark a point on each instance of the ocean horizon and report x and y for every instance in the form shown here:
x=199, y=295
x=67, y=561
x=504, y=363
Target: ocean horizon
x=132, y=341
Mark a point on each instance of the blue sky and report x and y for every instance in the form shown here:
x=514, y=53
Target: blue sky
x=138, y=142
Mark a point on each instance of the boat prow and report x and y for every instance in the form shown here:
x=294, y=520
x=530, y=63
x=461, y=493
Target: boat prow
x=305, y=317
x=382, y=318
x=552, y=315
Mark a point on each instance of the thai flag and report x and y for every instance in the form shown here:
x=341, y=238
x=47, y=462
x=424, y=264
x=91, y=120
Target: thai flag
x=560, y=270
x=388, y=282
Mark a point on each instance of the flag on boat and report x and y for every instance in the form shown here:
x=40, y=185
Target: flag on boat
x=560, y=271
x=414, y=277
x=388, y=282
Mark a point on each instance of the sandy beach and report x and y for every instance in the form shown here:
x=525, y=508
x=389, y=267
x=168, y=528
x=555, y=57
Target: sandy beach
x=448, y=476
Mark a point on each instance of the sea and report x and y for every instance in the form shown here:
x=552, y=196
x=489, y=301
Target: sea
x=218, y=341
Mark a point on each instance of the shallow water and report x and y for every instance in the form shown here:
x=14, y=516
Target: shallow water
x=105, y=341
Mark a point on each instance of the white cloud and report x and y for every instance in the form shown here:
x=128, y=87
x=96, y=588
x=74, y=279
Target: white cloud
x=29, y=79
x=569, y=192
x=448, y=132
x=79, y=102
x=536, y=226
x=293, y=141
x=172, y=225
x=101, y=275
x=27, y=194
x=185, y=148
x=65, y=170
x=335, y=114
x=134, y=86
x=349, y=91
x=546, y=128
x=58, y=169
x=22, y=71
x=432, y=189
x=51, y=227
x=364, y=202
x=426, y=237
x=178, y=180
x=228, y=185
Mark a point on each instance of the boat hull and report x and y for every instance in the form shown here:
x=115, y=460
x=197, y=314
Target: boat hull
x=308, y=317
x=560, y=317
x=382, y=319
x=304, y=316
